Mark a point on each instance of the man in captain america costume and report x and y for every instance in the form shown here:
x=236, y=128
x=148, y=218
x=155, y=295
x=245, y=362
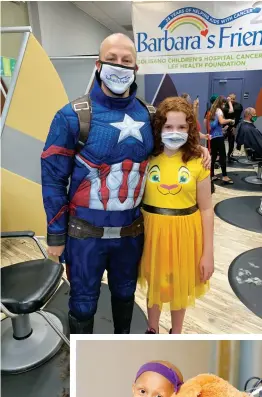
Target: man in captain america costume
x=97, y=224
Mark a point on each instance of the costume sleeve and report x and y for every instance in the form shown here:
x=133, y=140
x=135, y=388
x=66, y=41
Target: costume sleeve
x=56, y=166
x=203, y=173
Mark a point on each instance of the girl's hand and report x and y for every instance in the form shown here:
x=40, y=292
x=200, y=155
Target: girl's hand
x=206, y=158
x=206, y=267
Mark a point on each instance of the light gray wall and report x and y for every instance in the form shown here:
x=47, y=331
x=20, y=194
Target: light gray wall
x=75, y=75
x=66, y=30
x=251, y=361
x=33, y=12
x=140, y=80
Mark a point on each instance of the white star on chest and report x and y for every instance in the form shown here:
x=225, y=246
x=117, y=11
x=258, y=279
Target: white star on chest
x=129, y=127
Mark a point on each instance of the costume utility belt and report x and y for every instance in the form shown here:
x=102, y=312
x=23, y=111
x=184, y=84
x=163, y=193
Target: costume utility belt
x=170, y=211
x=78, y=228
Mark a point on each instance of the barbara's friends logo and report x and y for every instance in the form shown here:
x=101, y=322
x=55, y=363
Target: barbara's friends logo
x=205, y=31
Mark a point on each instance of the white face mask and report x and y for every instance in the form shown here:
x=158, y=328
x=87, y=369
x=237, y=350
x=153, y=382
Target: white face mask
x=116, y=77
x=174, y=140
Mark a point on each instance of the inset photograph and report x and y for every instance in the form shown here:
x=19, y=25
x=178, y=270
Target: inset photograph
x=162, y=368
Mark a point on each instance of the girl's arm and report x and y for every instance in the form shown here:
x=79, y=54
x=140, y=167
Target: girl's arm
x=203, y=136
x=223, y=121
x=204, y=202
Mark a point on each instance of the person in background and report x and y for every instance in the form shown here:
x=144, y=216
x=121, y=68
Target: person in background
x=248, y=135
x=207, y=115
x=195, y=105
x=217, y=121
x=231, y=130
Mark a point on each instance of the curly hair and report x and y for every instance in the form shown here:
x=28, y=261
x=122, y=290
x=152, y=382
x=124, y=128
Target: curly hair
x=191, y=149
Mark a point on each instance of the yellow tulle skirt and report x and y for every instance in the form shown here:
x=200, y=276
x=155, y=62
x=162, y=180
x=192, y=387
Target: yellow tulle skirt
x=169, y=266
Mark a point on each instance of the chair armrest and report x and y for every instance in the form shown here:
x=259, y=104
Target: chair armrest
x=7, y=312
x=26, y=233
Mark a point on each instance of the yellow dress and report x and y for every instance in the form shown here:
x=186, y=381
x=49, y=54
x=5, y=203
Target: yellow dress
x=173, y=243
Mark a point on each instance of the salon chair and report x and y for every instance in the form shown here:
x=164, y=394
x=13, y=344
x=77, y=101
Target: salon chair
x=30, y=336
x=257, y=179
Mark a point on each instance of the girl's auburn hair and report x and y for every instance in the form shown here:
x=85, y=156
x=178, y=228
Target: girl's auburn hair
x=191, y=149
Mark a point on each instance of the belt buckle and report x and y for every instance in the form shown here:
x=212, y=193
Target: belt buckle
x=77, y=106
x=111, y=232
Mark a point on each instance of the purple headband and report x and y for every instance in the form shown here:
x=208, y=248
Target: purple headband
x=161, y=369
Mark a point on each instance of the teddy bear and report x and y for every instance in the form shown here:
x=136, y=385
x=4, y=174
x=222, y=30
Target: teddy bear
x=208, y=385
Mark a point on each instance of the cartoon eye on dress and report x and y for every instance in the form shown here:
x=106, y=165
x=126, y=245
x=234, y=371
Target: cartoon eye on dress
x=183, y=175
x=154, y=174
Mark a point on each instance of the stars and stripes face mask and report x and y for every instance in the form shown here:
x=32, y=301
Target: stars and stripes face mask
x=117, y=78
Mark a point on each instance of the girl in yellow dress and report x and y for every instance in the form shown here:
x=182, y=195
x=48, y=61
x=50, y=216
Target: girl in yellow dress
x=177, y=261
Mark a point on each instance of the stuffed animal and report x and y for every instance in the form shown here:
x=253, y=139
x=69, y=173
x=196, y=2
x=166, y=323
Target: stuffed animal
x=207, y=385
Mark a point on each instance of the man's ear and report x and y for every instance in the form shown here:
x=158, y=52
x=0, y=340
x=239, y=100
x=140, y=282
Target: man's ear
x=136, y=68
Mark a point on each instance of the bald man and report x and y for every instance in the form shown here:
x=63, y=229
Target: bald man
x=97, y=225
x=248, y=135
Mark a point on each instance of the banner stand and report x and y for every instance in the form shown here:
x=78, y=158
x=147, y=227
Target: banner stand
x=26, y=30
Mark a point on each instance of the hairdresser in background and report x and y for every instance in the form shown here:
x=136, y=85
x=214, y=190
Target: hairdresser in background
x=237, y=109
x=195, y=105
x=216, y=124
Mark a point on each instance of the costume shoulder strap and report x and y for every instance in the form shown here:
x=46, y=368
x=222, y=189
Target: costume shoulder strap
x=83, y=108
x=151, y=109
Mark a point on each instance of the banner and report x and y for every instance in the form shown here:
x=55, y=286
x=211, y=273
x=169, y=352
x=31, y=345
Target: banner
x=7, y=66
x=178, y=37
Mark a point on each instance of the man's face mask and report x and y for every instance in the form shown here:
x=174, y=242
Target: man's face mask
x=117, y=78
x=254, y=118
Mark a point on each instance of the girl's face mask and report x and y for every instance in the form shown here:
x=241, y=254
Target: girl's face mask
x=175, y=131
x=117, y=78
x=174, y=140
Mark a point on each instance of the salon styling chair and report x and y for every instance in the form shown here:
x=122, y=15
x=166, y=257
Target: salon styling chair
x=30, y=336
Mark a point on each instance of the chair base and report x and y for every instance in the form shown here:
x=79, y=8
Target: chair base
x=253, y=180
x=248, y=162
x=24, y=355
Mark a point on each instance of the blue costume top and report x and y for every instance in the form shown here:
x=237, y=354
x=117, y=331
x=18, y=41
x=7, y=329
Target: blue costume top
x=107, y=176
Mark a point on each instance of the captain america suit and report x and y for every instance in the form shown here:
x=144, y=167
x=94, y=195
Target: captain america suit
x=107, y=180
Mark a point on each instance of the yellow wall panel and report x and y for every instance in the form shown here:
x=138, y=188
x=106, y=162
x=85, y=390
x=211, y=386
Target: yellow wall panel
x=38, y=94
x=22, y=205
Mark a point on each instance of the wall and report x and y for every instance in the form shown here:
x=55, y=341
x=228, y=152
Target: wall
x=107, y=368
x=200, y=84
x=251, y=362
x=66, y=30
x=12, y=14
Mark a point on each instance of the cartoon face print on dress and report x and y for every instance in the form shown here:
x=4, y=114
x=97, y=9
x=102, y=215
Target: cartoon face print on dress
x=173, y=184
